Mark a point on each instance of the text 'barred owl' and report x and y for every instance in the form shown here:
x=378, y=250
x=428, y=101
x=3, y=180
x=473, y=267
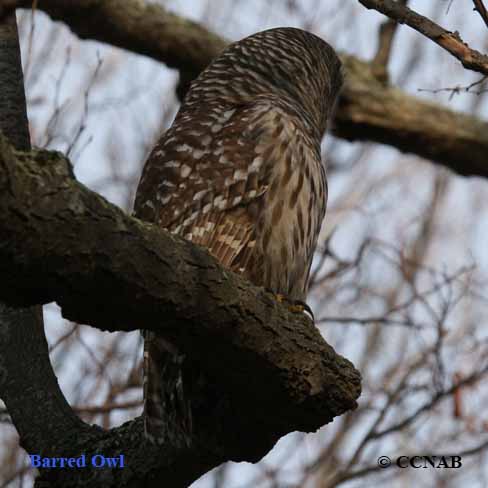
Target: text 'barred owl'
x=240, y=173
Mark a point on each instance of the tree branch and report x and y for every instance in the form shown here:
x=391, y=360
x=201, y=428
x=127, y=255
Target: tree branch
x=137, y=26
x=67, y=243
x=450, y=41
x=386, y=35
x=23, y=347
x=370, y=109
x=479, y=6
x=115, y=272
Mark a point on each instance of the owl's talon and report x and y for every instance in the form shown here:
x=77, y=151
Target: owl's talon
x=301, y=307
x=279, y=297
x=295, y=306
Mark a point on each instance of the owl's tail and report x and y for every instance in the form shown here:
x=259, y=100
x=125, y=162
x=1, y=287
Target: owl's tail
x=167, y=412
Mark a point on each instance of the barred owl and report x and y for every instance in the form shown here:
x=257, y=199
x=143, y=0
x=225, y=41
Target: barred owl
x=239, y=172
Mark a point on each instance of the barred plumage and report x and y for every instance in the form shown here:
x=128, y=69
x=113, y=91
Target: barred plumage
x=239, y=171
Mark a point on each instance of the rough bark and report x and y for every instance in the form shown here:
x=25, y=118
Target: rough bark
x=24, y=361
x=13, y=114
x=369, y=110
x=62, y=242
x=27, y=381
x=67, y=244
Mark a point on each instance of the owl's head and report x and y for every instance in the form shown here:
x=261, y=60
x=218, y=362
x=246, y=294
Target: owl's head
x=296, y=65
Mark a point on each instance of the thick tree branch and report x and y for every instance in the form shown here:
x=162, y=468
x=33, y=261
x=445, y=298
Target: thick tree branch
x=115, y=272
x=28, y=386
x=370, y=109
x=13, y=113
x=137, y=26
x=450, y=41
x=23, y=347
x=66, y=243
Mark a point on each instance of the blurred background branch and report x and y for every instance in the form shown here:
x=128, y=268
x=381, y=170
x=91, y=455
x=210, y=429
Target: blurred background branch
x=370, y=109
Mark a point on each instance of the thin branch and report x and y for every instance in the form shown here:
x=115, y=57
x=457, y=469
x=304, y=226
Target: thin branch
x=455, y=90
x=450, y=41
x=58, y=108
x=479, y=6
x=86, y=107
x=428, y=406
x=369, y=109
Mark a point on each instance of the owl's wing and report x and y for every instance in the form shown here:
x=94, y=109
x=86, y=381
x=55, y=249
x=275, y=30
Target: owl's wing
x=211, y=176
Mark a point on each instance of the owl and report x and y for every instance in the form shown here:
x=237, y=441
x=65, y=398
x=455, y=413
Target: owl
x=239, y=172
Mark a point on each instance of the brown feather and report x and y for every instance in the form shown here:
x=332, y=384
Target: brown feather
x=239, y=172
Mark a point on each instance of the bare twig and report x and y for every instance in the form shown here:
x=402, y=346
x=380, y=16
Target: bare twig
x=86, y=95
x=450, y=41
x=479, y=6
x=58, y=107
x=456, y=90
x=428, y=406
